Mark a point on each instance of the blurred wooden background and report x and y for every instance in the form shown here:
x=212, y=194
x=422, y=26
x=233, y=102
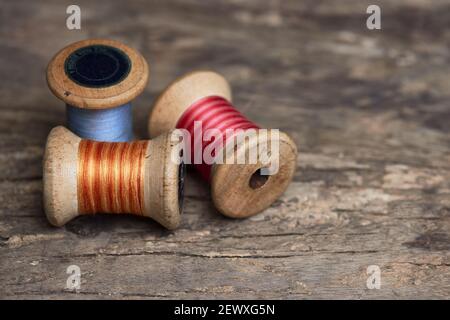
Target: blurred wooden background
x=369, y=111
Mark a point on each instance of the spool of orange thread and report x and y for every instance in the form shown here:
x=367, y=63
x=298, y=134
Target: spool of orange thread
x=83, y=177
x=238, y=190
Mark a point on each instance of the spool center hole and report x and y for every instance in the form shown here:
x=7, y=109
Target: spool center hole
x=257, y=180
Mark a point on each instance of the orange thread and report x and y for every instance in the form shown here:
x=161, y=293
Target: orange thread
x=110, y=177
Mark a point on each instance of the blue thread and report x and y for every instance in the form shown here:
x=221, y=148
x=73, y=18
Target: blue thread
x=112, y=125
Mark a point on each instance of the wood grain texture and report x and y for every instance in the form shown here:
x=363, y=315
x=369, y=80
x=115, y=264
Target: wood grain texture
x=369, y=111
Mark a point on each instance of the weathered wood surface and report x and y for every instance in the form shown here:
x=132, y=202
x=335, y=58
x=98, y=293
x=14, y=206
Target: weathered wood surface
x=369, y=111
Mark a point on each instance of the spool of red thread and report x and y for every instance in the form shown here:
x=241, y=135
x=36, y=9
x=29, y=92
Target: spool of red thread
x=238, y=190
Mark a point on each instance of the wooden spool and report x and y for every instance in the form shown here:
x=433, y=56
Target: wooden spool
x=161, y=186
x=83, y=90
x=238, y=190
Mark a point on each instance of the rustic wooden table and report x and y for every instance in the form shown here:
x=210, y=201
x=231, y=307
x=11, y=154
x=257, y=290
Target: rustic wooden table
x=369, y=111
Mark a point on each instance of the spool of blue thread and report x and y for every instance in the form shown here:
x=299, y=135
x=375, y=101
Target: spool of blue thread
x=97, y=79
x=114, y=125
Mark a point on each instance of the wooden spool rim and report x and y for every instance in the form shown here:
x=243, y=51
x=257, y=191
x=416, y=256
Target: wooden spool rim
x=231, y=188
x=181, y=94
x=97, y=98
x=60, y=176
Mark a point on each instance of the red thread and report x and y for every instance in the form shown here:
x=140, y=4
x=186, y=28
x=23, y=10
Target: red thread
x=212, y=112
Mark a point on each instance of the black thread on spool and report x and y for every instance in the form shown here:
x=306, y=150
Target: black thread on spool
x=97, y=66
